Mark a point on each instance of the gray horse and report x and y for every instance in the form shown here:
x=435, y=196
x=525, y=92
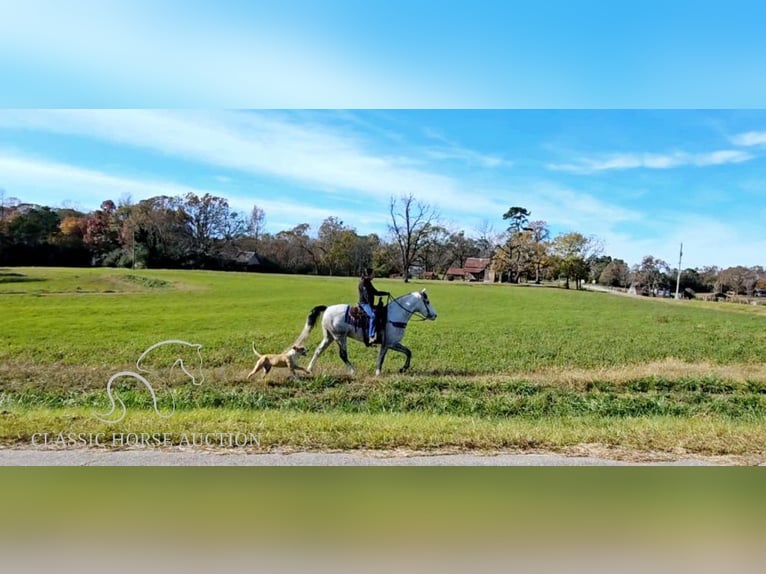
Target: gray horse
x=337, y=327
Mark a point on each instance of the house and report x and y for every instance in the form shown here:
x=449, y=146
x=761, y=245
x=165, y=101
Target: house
x=233, y=258
x=454, y=272
x=247, y=260
x=475, y=269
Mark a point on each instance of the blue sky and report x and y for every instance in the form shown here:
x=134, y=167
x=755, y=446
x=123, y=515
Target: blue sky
x=641, y=123
x=383, y=53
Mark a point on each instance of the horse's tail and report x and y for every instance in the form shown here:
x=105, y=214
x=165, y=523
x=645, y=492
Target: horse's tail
x=311, y=320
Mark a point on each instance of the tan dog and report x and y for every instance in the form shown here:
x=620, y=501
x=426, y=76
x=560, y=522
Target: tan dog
x=288, y=359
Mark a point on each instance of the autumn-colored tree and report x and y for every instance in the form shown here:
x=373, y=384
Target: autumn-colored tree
x=571, y=252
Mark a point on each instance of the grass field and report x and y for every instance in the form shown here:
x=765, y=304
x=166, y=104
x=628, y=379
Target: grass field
x=502, y=368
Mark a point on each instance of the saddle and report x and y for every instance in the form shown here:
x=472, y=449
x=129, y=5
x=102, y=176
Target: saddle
x=359, y=319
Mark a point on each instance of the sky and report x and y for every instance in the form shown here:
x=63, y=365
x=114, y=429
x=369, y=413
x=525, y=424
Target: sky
x=640, y=123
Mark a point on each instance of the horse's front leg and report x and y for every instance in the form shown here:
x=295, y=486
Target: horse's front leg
x=344, y=354
x=406, y=352
x=381, y=356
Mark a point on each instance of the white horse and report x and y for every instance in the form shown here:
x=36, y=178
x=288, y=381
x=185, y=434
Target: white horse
x=337, y=327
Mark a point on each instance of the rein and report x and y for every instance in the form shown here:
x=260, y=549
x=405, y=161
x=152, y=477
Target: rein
x=402, y=325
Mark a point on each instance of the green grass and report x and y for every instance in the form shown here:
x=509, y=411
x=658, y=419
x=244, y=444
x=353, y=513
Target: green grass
x=481, y=329
x=497, y=355
x=650, y=435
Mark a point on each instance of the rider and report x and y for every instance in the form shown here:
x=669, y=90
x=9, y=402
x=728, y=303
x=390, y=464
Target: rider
x=367, y=293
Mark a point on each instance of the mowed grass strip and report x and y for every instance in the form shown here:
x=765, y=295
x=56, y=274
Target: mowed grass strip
x=648, y=396
x=628, y=437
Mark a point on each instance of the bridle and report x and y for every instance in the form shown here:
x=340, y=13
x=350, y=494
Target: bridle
x=421, y=316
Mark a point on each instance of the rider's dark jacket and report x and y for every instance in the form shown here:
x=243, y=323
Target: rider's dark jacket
x=367, y=292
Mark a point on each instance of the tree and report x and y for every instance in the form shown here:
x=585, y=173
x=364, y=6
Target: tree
x=514, y=253
x=435, y=255
x=411, y=223
x=652, y=274
x=616, y=273
x=517, y=218
x=571, y=252
x=301, y=239
x=538, y=251
x=102, y=234
x=458, y=249
x=739, y=279
x=710, y=278
x=328, y=238
x=209, y=218
x=156, y=233
x=35, y=227
x=256, y=223
x=487, y=239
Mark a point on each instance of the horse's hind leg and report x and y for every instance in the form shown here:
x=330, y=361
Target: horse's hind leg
x=344, y=353
x=328, y=339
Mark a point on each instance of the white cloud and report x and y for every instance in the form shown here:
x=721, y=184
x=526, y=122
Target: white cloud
x=651, y=161
x=706, y=241
x=58, y=182
x=267, y=144
x=749, y=139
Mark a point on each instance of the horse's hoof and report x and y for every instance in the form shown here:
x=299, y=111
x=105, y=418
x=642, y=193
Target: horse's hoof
x=403, y=370
x=377, y=373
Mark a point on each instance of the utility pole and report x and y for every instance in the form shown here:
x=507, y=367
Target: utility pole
x=678, y=279
x=134, y=249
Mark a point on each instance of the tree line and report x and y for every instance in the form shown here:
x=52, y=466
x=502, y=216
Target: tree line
x=193, y=232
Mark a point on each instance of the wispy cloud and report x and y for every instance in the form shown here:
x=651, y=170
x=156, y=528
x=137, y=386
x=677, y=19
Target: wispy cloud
x=58, y=180
x=447, y=149
x=749, y=139
x=468, y=156
x=62, y=182
x=312, y=154
x=626, y=161
x=707, y=241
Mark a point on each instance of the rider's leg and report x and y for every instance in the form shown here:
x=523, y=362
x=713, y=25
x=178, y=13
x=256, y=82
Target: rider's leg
x=371, y=314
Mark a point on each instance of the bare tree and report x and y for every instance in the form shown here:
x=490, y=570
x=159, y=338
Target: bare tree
x=487, y=238
x=411, y=224
x=256, y=224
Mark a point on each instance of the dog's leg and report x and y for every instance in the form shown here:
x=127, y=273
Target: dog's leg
x=257, y=368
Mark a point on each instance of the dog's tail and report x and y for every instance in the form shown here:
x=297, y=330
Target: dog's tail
x=311, y=320
x=257, y=354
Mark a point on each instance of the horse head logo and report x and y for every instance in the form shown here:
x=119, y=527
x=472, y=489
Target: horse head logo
x=183, y=355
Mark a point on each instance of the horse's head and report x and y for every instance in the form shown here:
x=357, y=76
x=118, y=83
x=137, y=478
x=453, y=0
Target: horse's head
x=191, y=364
x=424, y=307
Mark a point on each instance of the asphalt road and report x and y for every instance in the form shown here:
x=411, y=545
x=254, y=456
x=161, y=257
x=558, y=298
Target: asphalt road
x=155, y=457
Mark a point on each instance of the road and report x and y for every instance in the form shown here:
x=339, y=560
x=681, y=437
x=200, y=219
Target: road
x=156, y=457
